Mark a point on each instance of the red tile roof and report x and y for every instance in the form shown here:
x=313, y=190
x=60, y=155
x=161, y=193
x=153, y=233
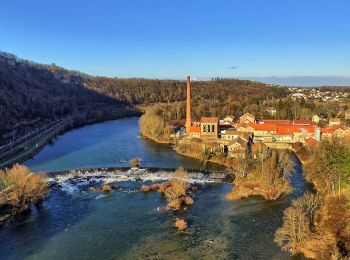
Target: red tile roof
x=248, y=114
x=209, y=119
x=195, y=129
x=303, y=122
x=276, y=121
x=327, y=130
x=311, y=142
x=287, y=122
x=263, y=127
x=290, y=129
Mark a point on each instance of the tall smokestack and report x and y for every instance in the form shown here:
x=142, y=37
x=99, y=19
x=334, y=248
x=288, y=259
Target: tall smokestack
x=188, y=105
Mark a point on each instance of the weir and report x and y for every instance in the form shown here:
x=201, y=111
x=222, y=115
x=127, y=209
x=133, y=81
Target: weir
x=115, y=174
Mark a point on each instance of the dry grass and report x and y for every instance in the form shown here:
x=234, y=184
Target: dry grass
x=183, y=201
x=317, y=227
x=187, y=200
x=161, y=187
x=106, y=188
x=174, y=204
x=135, y=162
x=145, y=188
x=180, y=224
x=267, y=177
x=19, y=187
x=247, y=188
x=175, y=190
x=178, y=185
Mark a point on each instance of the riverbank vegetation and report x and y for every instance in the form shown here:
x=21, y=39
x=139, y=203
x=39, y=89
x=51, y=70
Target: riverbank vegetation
x=265, y=174
x=19, y=189
x=318, y=224
x=155, y=124
x=135, y=162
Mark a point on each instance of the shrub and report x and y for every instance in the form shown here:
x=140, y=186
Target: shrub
x=19, y=187
x=106, y=188
x=135, y=162
x=175, y=204
x=178, y=184
x=187, y=200
x=145, y=188
x=316, y=227
x=180, y=224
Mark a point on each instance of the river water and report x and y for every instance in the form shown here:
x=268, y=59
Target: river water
x=77, y=224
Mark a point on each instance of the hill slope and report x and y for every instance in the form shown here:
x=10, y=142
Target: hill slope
x=32, y=93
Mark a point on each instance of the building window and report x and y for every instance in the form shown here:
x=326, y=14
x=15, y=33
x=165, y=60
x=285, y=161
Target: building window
x=208, y=128
x=213, y=128
x=204, y=129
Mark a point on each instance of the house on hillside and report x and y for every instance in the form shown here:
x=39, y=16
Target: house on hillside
x=347, y=114
x=246, y=127
x=271, y=110
x=229, y=134
x=262, y=131
x=246, y=118
x=326, y=133
x=341, y=132
x=229, y=119
x=195, y=131
x=315, y=119
x=237, y=148
x=232, y=134
x=284, y=134
x=334, y=122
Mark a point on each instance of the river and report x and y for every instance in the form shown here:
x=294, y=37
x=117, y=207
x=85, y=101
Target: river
x=77, y=224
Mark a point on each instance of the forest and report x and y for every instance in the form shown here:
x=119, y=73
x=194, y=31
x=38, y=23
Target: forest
x=33, y=94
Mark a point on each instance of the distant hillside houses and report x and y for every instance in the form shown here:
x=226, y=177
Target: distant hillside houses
x=318, y=94
x=276, y=133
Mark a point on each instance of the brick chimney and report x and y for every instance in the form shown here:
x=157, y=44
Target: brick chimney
x=188, y=105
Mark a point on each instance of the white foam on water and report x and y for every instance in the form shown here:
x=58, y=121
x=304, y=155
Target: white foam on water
x=69, y=188
x=100, y=196
x=75, y=180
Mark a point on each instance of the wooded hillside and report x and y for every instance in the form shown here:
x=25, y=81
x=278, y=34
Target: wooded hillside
x=34, y=94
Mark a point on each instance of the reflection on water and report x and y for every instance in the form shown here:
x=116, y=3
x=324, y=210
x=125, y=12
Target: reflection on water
x=108, y=144
x=83, y=225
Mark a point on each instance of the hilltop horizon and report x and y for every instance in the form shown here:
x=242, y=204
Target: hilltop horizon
x=284, y=81
x=277, y=43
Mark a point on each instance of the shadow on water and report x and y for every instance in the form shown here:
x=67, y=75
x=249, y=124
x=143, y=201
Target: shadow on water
x=109, y=144
x=27, y=233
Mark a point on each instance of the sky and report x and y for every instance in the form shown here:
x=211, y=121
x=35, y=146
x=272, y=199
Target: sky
x=275, y=41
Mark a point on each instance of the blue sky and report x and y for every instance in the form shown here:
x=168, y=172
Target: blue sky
x=284, y=39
